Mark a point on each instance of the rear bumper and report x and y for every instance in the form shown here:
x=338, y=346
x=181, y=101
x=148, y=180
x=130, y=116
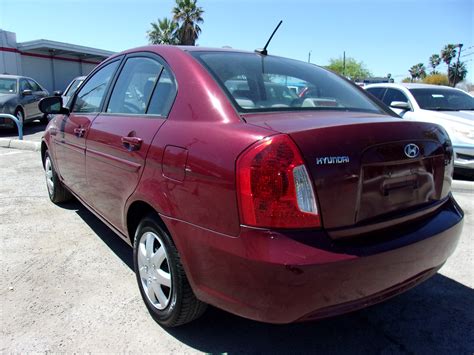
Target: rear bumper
x=281, y=277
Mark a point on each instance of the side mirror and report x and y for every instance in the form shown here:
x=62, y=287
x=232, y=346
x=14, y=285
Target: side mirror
x=400, y=105
x=57, y=93
x=26, y=92
x=53, y=105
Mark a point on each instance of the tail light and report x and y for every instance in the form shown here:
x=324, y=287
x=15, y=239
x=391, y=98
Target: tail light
x=273, y=186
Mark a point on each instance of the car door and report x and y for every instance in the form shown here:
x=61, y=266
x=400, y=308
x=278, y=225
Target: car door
x=38, y=93
x=70, y=140
x=28, y=100
x=392, y=95
x=119, y=138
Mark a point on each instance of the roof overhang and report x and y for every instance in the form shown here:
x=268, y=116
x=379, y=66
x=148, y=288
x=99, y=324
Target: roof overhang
x=53, y=48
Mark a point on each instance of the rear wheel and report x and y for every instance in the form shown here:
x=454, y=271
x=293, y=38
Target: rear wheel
x=161, y=278
x=56, y=190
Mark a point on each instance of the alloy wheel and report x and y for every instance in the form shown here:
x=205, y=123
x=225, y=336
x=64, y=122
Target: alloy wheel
x=48, y=168
x=155, y=274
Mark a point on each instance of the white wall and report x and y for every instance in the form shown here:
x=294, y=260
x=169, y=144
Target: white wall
x=38, y=69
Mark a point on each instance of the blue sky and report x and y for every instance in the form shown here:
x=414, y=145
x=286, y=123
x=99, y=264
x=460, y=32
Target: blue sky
x=389, y=36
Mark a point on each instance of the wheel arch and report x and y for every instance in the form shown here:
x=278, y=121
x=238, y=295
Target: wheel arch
x=44, y=148
x=136, y=212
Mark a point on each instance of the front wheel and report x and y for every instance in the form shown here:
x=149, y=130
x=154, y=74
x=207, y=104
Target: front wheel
x=161, y=278
x=56, y=191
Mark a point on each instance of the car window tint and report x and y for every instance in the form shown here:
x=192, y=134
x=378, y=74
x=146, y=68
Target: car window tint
x=90, y=96
x=134, y=86
x=443, y=99
x=377, y=92
x=24, y=85
x=163, y=96
x=394, y=95
x=34, y=85
x=263, y=83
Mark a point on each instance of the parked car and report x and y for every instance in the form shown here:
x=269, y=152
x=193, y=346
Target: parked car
x=275, y=211
x=451, y=108
x=70, y=90
x=19, y=96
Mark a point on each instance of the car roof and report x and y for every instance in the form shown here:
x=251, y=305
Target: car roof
x=8, y=76
x=409, y=86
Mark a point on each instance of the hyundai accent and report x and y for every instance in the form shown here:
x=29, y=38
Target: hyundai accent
x=235, y=192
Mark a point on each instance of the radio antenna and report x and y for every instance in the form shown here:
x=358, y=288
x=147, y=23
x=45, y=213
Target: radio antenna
x=264, y=50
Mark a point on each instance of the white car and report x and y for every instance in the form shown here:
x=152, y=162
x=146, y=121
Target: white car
x=451, y=108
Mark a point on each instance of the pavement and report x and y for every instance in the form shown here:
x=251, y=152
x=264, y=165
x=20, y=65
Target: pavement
x=67, y=285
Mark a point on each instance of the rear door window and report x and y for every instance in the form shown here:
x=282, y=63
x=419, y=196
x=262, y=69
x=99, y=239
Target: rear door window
x=135, y=85
x=163, y=95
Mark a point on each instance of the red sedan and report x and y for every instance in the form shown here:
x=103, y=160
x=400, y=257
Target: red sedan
x=234, y=192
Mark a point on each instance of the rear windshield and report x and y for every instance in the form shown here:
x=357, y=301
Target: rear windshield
x=7, y=86
x=264, y=83
x=443, y=99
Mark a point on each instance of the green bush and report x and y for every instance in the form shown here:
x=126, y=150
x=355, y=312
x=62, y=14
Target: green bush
x=436, y=79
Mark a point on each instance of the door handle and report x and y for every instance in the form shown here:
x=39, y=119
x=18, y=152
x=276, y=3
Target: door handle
x=79, y=132
x=132, y=143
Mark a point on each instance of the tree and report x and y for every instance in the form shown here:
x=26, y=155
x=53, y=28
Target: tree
x=457, y=72
x=435, y=60
x=448, y=53
x=436, y=79
x=189, y=16
x=164, y=31
x=417, y=71
x=353, y=68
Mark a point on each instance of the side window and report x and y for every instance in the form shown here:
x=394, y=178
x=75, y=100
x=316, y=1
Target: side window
x=377, y=92
x=34, y=85
x=24, y=85
x=134, y=86
x=163, y=96
x=394, y=95
x=90, y=96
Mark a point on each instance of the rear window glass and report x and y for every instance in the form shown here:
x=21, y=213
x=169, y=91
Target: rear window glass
x=264, y=83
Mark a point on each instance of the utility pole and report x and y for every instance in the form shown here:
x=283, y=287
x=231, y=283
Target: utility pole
x=309, y=56
x=344, y=64
x=457, y=64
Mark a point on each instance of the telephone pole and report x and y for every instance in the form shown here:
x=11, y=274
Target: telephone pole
x=457, y=65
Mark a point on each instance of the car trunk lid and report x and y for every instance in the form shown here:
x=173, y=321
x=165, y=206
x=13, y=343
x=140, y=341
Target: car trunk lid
x=364, y=166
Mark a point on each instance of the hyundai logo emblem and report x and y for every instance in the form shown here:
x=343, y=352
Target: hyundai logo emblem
x=412, y=150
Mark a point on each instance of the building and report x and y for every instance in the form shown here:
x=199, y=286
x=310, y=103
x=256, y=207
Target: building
x=53, y=64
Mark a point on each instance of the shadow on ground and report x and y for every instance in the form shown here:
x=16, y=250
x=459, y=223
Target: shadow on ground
x=437, y=317
x=29, y=129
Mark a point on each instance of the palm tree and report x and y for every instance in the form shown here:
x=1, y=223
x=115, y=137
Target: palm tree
x=163, y=32
x=435, y=60
x=448, y=53
x=457, y=72
x=417, y=71
x=189, y=16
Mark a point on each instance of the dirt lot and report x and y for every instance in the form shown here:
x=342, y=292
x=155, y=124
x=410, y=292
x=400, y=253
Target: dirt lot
x=66, y=285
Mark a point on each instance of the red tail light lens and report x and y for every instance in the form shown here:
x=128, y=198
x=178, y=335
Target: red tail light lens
x=274, y=187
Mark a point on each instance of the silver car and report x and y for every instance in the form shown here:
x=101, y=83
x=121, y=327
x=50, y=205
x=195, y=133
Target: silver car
x=70, y=90
x=451, y=108
x=19, y=96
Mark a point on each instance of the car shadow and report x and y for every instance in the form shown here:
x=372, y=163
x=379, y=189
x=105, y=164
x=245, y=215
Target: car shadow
x=434, y=317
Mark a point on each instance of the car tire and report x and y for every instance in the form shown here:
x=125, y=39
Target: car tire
x=177, y=304
x=56, y=191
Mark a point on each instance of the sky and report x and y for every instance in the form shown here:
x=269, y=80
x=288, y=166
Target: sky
x=389, y=36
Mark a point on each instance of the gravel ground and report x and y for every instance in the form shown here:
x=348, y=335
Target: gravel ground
x=66, y=285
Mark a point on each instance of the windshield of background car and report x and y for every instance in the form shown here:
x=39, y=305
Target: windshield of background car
x=8, y=86
x=257, y=83
x=442, y=99
x=73, y=87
